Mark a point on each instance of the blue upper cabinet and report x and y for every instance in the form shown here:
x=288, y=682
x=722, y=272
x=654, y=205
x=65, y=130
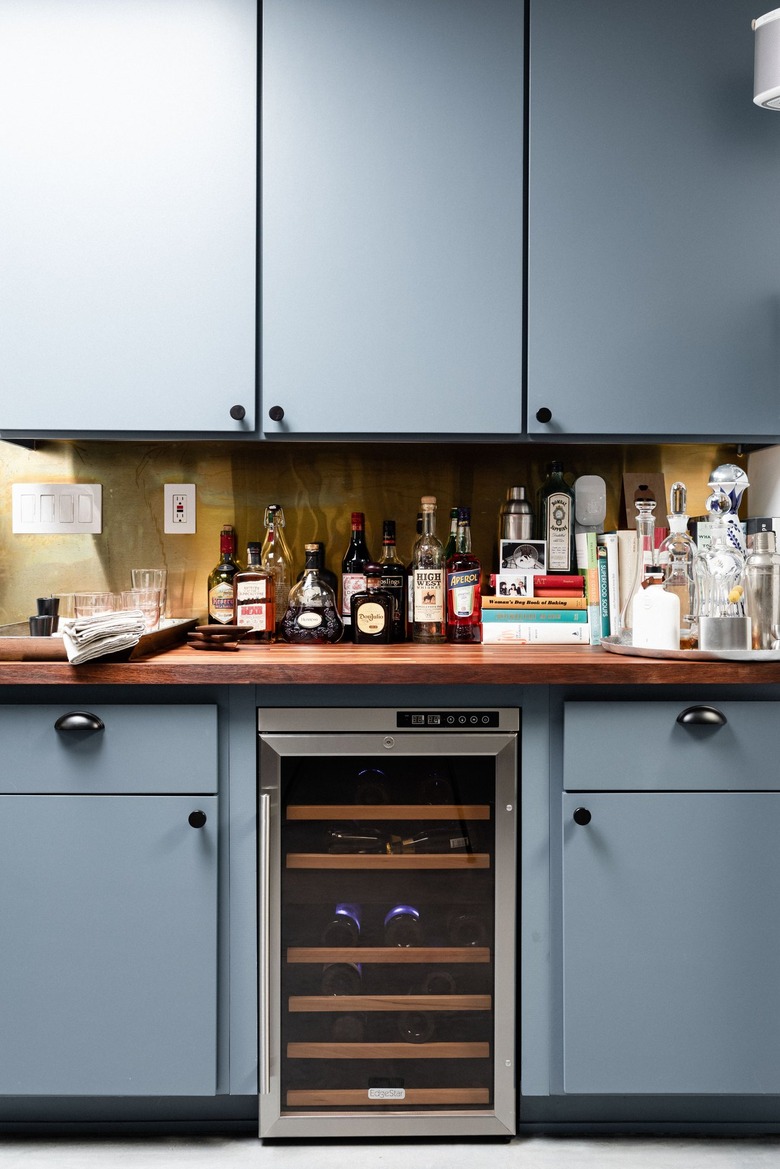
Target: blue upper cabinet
x=654, y=247
x=392, y=217
x=128, y=216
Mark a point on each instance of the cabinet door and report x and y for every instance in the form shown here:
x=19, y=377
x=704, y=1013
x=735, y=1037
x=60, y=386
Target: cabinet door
x=128, y=205
x=108, y=964
x=671, y=943
x=653, y=260
x=392, y=216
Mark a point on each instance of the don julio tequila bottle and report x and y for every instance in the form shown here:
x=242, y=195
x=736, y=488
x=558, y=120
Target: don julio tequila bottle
x=428, y=573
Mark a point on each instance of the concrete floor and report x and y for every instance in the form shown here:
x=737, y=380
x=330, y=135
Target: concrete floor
x=522, y=1153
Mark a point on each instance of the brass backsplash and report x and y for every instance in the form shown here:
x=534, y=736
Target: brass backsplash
x=318, y=484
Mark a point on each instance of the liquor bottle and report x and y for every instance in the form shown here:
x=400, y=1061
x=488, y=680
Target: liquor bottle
x=677, y=556
x=416, y=1026
x=372, y=610
x=556, y=516
x=428, y=571
x=329, y=577
x=312, y=614
x=275, y=557
x=436, y=789
x=452, y=539
x=402, y=926
x=410, y=583
x=343, y=929
x=464, y=576
x=358, y=839
x=465, y=928
x=342, y=978
x=439, y=838
x=355, y=559
x=220, y=589
x=348, y=1028
x=394, y=579
x=371, y=787
x=253, y=597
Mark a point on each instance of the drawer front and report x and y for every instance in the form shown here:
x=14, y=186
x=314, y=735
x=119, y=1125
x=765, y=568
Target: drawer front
x=138, y=749
x=671, y=746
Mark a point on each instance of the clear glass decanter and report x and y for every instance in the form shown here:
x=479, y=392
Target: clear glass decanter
x=677, y=557
x=645, y=547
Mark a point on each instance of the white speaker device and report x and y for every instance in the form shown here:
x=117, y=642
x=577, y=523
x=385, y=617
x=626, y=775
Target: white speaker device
x=766, y=70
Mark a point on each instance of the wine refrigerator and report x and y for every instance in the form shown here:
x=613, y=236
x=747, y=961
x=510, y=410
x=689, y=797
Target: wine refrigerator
x=387, y=873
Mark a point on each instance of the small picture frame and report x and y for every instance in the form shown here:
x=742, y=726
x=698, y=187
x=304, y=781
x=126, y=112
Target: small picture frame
x=523, y=556
x=515, y=584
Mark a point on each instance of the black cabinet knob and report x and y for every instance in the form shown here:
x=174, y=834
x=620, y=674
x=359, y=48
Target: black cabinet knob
x=702, y=716
x=276, y=413
x=543, y=414
x=237, y=412
x=196, y=819
x=79, y=720
x=581, y=816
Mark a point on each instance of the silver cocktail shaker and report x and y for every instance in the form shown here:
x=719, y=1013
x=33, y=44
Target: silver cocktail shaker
x=762, y=590
x=516, y=518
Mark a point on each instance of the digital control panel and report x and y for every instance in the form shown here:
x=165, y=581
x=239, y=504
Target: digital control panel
x=447, y=720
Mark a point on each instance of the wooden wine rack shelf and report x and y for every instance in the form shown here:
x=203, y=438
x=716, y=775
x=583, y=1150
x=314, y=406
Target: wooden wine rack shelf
x=355, y=1097
x=384, y=861
x=388, y=811
x=388, y=1051
x=410, y=955
x=389, y=1002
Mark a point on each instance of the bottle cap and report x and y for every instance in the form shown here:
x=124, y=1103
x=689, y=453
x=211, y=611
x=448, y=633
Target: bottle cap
x=357, y=519
x=372, y=570
x=464, y=515
x=388, y=529
x=428, y=501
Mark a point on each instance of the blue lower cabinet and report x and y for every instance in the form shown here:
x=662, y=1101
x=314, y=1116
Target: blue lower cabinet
x=108, y=917
x=671, y=942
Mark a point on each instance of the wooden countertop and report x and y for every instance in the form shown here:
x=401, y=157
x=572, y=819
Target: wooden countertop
x=285, y=665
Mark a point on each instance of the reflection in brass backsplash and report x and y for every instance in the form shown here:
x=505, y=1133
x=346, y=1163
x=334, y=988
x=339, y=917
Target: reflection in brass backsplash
x=318, y=484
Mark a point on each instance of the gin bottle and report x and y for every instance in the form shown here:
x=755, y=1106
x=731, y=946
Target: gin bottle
x=428, y=571
x=556, y=516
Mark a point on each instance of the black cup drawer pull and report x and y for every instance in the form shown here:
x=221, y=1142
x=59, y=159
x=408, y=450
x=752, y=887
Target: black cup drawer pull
x=581, y=816
x=702, y=716
x=196, y=819
x=79, y=720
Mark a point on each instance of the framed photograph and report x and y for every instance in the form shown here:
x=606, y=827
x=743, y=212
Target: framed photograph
x=523, y=556
x=515, y=584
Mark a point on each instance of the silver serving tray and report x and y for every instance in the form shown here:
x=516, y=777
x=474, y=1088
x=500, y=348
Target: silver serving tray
x=614, y=644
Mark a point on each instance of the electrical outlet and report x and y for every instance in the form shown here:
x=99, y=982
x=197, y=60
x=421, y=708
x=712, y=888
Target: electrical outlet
x=179, y=519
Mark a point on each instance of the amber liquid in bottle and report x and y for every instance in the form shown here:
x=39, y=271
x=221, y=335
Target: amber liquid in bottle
x=372, y=610
x=253, y=597
x=464, y=587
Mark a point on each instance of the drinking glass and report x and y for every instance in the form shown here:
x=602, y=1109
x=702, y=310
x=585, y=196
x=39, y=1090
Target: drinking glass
x=152, y=578
x=148, y=601
x=88, y=604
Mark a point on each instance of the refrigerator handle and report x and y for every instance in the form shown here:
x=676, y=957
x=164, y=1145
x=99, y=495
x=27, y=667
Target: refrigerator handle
x=265, y=943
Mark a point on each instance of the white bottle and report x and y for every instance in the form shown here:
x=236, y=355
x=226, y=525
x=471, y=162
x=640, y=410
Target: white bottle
x=656, y=617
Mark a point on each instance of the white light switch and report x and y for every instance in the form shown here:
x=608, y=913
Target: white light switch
x=51, y=509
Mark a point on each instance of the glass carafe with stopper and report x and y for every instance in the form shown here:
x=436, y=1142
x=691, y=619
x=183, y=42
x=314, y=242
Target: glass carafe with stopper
x=275, y=557
x=645, y=546
x=677, y=556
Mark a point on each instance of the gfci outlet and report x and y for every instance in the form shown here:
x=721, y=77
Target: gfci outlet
x=179, y=509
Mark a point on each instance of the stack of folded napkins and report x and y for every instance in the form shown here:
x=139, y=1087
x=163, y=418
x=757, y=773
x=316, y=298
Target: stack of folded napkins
x=105, y=633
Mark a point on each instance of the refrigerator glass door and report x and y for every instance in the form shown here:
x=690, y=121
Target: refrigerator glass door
x=389, y=964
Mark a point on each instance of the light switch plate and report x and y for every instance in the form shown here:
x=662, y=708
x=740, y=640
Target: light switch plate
x=54, y=509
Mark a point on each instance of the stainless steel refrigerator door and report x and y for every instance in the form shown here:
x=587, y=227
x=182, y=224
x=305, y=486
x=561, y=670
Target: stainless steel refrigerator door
x=497, y=1116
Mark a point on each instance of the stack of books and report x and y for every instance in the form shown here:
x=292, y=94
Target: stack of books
x=536, y=609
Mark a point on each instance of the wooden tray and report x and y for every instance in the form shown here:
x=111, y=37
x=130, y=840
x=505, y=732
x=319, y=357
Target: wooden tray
x=16, y=645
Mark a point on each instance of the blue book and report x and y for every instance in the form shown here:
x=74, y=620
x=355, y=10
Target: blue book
x=528, y=616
